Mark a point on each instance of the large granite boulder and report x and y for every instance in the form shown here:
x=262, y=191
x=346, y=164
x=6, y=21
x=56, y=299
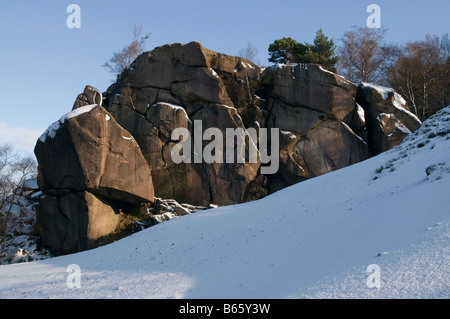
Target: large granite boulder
x=185, y=74
x=311, y=86
x=315, y=112
x=86, y=150
x=388, y=118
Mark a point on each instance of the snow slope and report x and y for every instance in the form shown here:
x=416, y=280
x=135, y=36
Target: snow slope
x=314, y=239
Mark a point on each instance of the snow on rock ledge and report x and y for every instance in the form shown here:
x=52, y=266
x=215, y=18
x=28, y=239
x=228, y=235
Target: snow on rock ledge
x=387, y=117
x=53, y=128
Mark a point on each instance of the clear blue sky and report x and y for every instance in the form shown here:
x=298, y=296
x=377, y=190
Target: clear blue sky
x=44, y=64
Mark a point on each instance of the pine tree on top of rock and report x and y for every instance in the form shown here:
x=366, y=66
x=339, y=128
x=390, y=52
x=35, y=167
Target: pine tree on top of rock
x=322, y=51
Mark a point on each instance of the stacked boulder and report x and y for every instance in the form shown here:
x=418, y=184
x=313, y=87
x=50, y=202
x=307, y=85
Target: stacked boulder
x=89, y=169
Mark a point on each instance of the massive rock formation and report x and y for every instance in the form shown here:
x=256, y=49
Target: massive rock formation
x=116, y=149
x=171, y=87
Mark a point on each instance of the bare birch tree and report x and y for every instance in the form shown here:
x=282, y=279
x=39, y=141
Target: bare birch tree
x=249, y=52
x=122, y=59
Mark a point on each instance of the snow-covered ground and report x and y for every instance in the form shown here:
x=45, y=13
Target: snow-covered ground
x=315, y=239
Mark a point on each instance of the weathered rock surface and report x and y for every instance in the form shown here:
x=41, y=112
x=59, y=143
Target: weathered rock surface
x=88, y=151
x=72, y=222
x=228, y=182
x=310, y=86
x=314, y=109
x=90, y=96
x=171, y=87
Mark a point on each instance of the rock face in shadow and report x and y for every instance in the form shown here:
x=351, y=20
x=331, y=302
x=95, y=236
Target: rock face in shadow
x=71, y=222
x=388, y=118
x=115, y=151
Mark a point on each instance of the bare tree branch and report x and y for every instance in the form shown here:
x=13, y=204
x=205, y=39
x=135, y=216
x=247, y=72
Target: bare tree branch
x=361, y=55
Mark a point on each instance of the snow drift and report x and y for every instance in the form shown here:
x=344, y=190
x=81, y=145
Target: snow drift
x=314, y=239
